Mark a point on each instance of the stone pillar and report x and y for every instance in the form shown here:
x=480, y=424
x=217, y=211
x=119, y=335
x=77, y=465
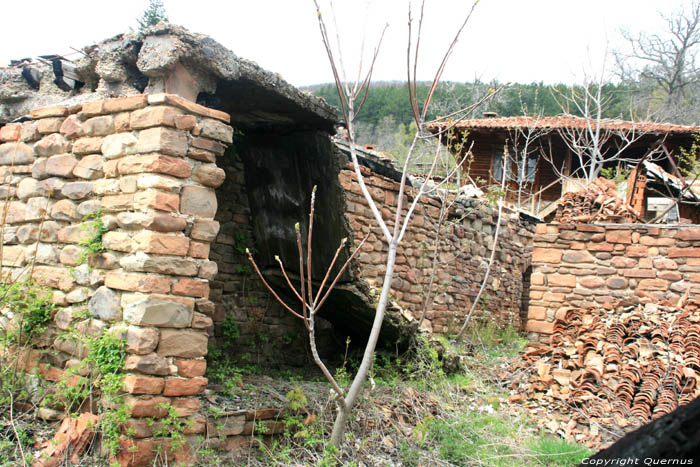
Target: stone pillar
x=147, y=165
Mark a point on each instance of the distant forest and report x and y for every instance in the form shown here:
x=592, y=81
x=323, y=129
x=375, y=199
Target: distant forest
x=386, y=122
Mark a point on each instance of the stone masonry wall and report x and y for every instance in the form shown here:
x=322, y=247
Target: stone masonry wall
x=146, y=164
x=266, y=333
x=584, y=265
x=464, y=251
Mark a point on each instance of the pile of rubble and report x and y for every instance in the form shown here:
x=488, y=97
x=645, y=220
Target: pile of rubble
x=599, y=202
x=611, y=369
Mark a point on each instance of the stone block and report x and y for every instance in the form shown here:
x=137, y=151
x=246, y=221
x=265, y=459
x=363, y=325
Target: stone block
x=118, y=241
x=15, y=154
x=140, y=340
x=151, y=311
x=162, y=140
x=159, y=182
x=137, y=384
x=54, y=277
x=154, y=199
x=561, y=280
x=537, y=313
x=154, y=163
x=169, y=99
x=618, y=236
x=72, y=255
x=118, y=145
x=29, y=132
x=198, y=201
x=216, y=130
x=71, y=127
x=27, y=188
x=546, y=255
x=205, y=229
x=150, y=364
x=665, y=263
x=61, y=165
x=202, y=321
x=89, y=207
x=88, y=145
x=142, y=407
x=181, y=83
x=137, y=282
x=190, y=368
x=689, y=235
x=89, y=167
x=541, y=327
x=537, y=278
x=52, y=144
x=684, y=252
x=49, y=125
x=157, y=243
x=123, y=104
x=616, y=283
x=191, y=288
x=58, y=111
x=209, y=145
x=155, y=116
x=208, y=270
x=99, y=126
x=175, y=387
x=198, y=250
x=209, y=175
x=636, y=251
x=182, y=343
x=77, y=190
x=13, y=256
x=10, y=132
x=672, y=276
x=116, y=203
x=653, y=284
x=640, y=273
x=170, y=265
x=577, y=257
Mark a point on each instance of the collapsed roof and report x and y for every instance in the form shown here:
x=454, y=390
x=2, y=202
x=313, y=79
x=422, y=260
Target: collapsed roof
x=162, y=58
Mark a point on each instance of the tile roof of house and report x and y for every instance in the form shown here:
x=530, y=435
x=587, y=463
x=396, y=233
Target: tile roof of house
x=511, y=123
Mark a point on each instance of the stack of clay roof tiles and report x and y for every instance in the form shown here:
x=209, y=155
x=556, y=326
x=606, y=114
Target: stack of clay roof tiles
x=599, y=202
x=610, y=369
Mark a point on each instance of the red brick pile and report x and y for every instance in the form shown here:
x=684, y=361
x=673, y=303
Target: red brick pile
x=598, y=203
x=610, y=369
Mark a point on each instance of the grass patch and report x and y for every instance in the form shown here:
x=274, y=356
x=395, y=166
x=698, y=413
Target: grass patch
x=556, y=451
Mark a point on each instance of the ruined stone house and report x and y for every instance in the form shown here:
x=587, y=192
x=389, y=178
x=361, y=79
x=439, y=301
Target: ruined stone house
x=190, y=155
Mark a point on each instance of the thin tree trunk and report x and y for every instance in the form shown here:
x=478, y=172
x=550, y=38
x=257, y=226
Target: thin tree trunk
x=351, y=397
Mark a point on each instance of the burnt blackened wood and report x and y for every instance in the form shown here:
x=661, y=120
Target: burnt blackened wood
x=32, y=76
x=67, y=79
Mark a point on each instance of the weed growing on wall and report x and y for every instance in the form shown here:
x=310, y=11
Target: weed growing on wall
x=92, y=245
x=28, y=309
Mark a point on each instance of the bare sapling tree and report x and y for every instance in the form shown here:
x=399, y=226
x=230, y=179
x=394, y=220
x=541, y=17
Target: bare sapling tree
x=666, y=61
x=492, y=257
x=311, y=302
x=593, y=143
x=352, y=96
x=526, y=143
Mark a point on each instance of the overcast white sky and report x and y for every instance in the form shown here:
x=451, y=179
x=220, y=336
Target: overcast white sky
x=508, y=40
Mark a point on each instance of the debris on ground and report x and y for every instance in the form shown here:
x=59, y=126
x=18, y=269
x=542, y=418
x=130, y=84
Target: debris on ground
x=598, y=203
x=610, y=369
x=71, y=440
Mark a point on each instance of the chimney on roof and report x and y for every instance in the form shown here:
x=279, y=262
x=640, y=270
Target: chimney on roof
x=490, y=114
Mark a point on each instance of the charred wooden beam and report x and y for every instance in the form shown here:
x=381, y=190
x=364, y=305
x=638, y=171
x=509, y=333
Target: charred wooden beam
x=66, y=78
x=32, y=76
